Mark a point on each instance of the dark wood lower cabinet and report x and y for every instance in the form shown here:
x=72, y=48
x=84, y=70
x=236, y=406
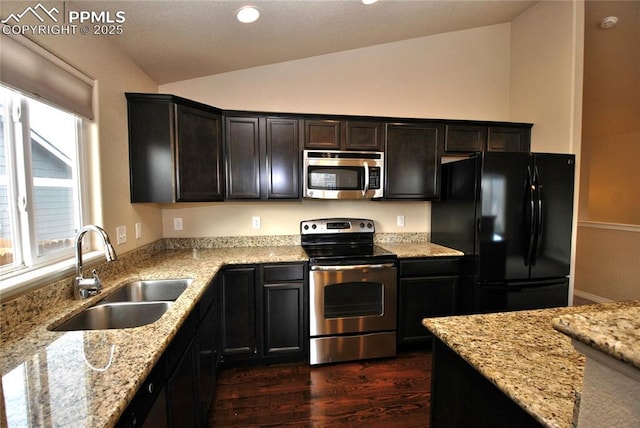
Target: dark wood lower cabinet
x=262, y=313
x=183, y=390
x=171, y=394
x=428, y=287
x=238, y=328
x=462, y=397
x=257, y=314
x=285, y=318
x=149, y=406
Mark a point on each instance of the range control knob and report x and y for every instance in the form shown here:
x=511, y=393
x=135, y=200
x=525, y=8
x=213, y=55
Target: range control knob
x=370, y=225
x=313, y=226
x=305, y=227
x=361, y=225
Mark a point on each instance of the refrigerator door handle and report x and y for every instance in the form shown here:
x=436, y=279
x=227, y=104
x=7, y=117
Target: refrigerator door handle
x=539, y=216
x=530, y=213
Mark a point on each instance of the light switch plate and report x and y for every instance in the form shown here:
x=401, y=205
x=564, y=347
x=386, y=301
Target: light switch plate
x=121, y=234
x=255, y=222
x=400, y=220
x=177, y=223
x=138, y=230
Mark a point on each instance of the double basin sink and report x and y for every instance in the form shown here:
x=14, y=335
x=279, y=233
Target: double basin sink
x=133, y=305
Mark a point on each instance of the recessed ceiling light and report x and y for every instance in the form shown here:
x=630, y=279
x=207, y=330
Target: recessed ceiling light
x=608, y=22
x=247, y=14
x=367, y=2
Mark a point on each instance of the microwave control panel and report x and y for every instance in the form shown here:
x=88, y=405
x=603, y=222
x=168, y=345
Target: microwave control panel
x=374, y=177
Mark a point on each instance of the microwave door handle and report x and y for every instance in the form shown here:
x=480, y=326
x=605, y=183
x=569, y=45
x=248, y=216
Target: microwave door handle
x=366, y=179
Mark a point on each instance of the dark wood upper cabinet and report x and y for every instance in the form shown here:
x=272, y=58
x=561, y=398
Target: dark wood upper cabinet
x=465, y=138
x=262, y=157
x=479, y=137
x=322, y=134
x=242, y=148
x=363, y=136
x=509, y=139
x=330, y=134
x=184, y=151
x=175, y=150
x=412, y=160
x=282, y=177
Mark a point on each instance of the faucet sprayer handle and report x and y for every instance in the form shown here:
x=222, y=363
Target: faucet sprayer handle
x=110, y=252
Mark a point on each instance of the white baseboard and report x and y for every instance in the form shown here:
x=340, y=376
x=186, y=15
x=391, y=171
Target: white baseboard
x=589, y=296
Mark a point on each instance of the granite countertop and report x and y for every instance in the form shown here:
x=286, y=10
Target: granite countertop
x=87, y=378
x=419, y=249
x=524, y=356
x=615, y=332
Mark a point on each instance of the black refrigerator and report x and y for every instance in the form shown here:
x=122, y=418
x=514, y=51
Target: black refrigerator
x=511, y=214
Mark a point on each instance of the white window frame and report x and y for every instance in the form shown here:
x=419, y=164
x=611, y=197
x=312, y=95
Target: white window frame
x=29, y=268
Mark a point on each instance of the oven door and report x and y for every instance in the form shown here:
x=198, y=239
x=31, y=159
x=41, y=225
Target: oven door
x=352, y=299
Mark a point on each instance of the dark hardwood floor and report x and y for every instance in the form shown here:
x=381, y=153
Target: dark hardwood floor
x=392, y=392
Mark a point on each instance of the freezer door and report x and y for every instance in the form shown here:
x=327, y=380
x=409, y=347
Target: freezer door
x=501, y=224
x=554, y=175
x=521, y=296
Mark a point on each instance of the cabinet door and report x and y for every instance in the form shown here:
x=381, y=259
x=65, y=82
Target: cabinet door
x=283, y=159
x=151, y=166
x=363, y=136
x=237, y=330
x=322, y=134
x=422, y=298
x=283, y=319
x=509, y=139
x=182, y=389
x=412, y=159
x=465, y=139
x=208, y=355
x=242, y=146
x=199, y=156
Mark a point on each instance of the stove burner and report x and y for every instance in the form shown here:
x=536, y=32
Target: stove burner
x=341, y=240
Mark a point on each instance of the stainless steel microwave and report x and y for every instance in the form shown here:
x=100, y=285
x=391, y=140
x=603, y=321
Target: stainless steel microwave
x=334, y=174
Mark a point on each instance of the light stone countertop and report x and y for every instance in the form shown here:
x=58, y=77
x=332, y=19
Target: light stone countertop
x=615, y=332
x=524, y=356
x=87, y=378
x=419, y=249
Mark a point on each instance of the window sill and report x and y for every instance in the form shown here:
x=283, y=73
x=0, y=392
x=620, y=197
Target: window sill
x=28, y=281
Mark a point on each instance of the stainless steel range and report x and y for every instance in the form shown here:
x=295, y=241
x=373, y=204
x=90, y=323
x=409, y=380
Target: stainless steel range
x=352, y=291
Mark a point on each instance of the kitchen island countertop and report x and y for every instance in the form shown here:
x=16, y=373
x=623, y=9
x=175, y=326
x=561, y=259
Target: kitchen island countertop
x=525, y=357
x=615, y=332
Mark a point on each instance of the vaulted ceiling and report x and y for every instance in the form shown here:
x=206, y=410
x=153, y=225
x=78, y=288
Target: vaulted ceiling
x=178, y=40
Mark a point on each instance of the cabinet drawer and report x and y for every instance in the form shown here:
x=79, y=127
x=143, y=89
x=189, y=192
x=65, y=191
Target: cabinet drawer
x=435, y=266
x=284, y=272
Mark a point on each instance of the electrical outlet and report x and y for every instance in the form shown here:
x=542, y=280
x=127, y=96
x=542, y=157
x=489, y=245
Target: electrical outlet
x=138, y=230
x=400, y=220
x=177, y=223
x=121, y=235
x=255, y=222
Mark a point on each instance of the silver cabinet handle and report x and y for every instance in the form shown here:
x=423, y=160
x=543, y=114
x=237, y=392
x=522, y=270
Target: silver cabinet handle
x=353, y=267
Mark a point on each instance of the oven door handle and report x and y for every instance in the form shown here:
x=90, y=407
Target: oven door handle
x=353, y=267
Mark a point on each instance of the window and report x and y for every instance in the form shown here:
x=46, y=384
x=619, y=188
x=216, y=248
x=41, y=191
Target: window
x=40, y=204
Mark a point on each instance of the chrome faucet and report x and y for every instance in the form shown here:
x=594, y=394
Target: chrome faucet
x=87, y=287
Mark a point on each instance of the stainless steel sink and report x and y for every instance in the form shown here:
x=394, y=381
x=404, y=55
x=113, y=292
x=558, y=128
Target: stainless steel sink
x=133, y=305
x=149, y=291
x=116, y=315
